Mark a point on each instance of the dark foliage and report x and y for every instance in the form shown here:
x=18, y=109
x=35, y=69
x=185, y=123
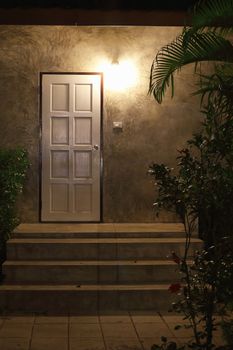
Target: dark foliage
x=13, y=166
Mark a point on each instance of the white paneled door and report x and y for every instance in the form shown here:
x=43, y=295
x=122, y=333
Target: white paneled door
x=71, y=120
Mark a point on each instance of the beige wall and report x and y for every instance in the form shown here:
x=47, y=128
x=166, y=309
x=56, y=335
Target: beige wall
x=151, y=132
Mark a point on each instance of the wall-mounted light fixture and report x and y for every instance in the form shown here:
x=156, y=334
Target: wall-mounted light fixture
x=119, y=74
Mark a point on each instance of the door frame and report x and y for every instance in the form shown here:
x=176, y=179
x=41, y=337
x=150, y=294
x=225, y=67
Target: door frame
x=101, y=142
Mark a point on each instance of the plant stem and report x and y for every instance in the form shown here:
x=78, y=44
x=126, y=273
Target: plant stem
x=188, y=282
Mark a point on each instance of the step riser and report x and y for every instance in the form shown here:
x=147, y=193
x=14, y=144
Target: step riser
x=92, y=251
x=88, y=302
x=98, y=235
x=90, y=274
x=86, y=268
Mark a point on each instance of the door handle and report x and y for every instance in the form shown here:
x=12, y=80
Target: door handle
x=95, y=147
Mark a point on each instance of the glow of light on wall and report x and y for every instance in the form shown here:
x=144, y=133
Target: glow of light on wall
x=119, y=76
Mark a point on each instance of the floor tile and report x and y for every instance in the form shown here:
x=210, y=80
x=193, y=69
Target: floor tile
x=88, y=330
x=84, y=319
x=86, y=344
x=152, y=330
x=115, y=313
x=14, y=343
x=49, y=344
x=123, y=344
x=118, y=330
x=175, y=319
x=218, y=341
x=115, y=319
x=181, y=332
x=51, y=319
x=50, y=330
x=16, y=330
x=184, y=341
x=19, y=319
x=148, y=342
x=143, y=313
x=146, y=319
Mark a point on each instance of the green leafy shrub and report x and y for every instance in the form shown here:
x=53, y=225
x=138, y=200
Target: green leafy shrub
x=207, y=287
x=202, y=186
x=13, y=167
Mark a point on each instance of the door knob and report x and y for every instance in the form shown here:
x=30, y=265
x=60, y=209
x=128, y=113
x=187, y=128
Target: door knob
x=96, y=147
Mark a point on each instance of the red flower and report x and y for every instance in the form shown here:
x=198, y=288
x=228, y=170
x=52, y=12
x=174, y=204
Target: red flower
x=175, y=258
x=175, y=287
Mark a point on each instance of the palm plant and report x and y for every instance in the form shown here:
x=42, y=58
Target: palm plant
x=206, y=40
x=206, y=165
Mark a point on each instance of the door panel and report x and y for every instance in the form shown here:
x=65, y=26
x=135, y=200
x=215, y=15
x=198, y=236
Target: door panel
x=71, y=117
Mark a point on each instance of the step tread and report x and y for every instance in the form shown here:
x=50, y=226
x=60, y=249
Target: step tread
x=98, y=240
x=88, y=263
x=98, y=228
x=83, y=287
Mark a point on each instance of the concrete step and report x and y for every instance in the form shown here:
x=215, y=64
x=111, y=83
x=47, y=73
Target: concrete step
x=75, y=268
x=50, y=230
x=95, y=271
x=75, y=299
x=96, y=248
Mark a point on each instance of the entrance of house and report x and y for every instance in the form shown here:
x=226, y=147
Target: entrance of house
x=71, y=140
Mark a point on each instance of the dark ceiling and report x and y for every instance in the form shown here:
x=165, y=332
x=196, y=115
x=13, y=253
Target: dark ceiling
x=103, y=4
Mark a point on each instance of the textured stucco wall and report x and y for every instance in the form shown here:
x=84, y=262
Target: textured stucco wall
x=151, y=132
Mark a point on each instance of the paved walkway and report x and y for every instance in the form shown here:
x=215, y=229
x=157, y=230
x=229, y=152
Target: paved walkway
x=129, y=331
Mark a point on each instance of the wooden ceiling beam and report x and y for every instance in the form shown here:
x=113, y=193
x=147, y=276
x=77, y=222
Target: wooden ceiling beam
x=59, y=16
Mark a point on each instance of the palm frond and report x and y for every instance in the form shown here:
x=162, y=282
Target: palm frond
x=207, y=46
x=216, y=15
x=218, y=87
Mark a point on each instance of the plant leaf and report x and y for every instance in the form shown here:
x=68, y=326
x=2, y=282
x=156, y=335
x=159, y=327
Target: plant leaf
x=200, y=47
x=216, y=15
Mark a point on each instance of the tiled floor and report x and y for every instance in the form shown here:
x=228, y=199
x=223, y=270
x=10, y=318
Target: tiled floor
x=129, y=331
